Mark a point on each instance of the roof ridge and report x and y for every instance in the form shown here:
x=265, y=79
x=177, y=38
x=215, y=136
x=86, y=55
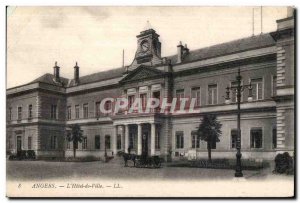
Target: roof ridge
x=50, y=74
x=235, y=40
x=226, y=42
x=102, y=71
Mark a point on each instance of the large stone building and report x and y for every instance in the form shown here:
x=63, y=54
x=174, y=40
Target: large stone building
x=39, y=112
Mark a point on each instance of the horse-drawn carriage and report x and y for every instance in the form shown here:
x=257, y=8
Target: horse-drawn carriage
x=142, y=161
x=145, y=161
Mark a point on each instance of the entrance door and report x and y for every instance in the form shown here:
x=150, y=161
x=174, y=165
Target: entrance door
x=145, y=143
x=19, y=143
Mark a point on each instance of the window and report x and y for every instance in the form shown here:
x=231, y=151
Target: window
x=156, y=95
x=10, y=114
x=68, y=144
x=19, y=113
x=69, y=115
x=157, y=140
x=108, y=105
x=107, y=141
x=53, y=113
x=274, y=81
x=30, y=111
x=212, y=94
x=130, y=101
x=97, y=142
x=256, y=138
x=144, y=101
x=234, y=134
x=53, y=142
x=119, y=142
x=234, y=92
x=179, y=140
x=274, y=136
x=132, y=141
x=179, y=95
x=257, y=88
x=77, y=111
x=84, y=143
x=85, y=111
x=98, y=109
x=195, y=140
x=29, y=142
x=195, y=93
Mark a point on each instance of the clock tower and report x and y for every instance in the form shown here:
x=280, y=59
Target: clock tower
x=148, y=49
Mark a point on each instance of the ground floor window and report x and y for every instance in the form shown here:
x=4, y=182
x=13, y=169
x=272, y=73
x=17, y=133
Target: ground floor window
x=9, y=143
x=119, y=142
x=195, y=140
x=157, y=140
x=179, y=139
x=84, y=143
x=29, y=142
x=131, y=141
x=68, y=145
x=256, y=138
x=107, y=141
x=97, y=142
x=53, y=142
x=19, y=143
x=234, y=134
x=274, y=136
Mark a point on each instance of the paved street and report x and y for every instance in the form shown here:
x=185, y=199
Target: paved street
x=43, y=170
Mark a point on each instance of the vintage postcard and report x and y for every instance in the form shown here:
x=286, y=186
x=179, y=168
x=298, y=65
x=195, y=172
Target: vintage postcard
x=150, y=102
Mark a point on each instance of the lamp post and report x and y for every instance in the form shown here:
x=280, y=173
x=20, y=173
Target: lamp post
x=238, y=89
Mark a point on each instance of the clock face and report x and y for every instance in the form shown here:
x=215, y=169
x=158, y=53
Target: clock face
x=145, y=46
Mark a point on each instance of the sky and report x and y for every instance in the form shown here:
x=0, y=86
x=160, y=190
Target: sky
x=96, y=36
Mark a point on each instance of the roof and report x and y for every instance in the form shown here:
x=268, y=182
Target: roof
x=142, y=72
x=244, y=44
x=100, y=76
x=49, y=79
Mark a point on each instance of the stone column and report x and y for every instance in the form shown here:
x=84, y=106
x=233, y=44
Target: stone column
x=114, y=145
x=139, y=139
x=126, y=127
x=153, y=131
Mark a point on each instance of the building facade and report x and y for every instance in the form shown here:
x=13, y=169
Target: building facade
x=39, y=112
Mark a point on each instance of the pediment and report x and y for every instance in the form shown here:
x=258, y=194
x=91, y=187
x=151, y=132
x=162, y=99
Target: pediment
x=141, y=73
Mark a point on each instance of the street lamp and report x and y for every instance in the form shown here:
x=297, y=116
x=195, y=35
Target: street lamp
x=238, y=89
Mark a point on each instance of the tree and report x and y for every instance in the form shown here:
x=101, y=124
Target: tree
x=75, y=135
x=209, y=130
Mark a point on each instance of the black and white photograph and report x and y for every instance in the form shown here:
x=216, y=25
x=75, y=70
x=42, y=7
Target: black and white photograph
x=150, y=101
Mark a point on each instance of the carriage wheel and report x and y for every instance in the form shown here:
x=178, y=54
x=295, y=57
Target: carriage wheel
x=158, y=164
x=137, y=164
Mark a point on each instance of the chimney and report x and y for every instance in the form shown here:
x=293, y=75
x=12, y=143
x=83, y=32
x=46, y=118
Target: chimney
x=76, y=73
x=179, y=52
x=56, y=72
x=186, y=51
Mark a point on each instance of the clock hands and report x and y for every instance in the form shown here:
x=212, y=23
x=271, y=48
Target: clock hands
x=145, y=46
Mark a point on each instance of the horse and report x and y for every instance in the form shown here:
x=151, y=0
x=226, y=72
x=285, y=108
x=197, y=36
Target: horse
x=128, y=157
